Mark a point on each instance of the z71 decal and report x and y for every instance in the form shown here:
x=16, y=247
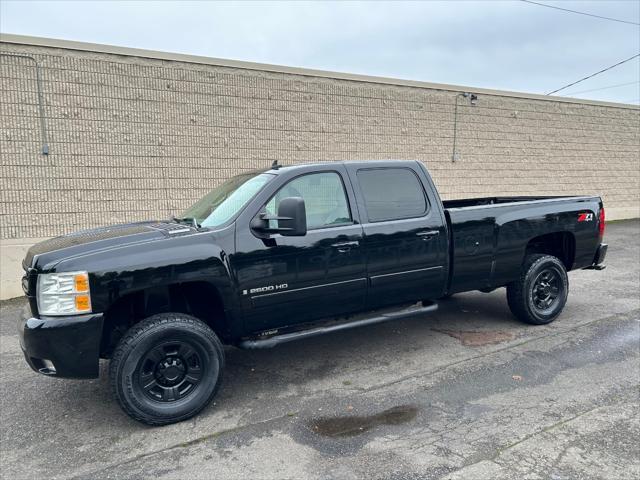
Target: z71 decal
x=585, y=217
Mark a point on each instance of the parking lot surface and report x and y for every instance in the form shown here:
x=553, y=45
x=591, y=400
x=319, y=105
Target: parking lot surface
x=465, y=393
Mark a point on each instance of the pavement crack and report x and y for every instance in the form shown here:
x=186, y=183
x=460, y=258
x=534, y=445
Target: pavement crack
x=176, y=446
x=625, y=315
x=549, y=428
x=546, y=429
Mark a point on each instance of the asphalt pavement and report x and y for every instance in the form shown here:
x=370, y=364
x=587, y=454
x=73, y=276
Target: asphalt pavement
x=465, y=393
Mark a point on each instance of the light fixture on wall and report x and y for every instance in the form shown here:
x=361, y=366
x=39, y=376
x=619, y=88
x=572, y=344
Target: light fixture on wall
x=473, y=98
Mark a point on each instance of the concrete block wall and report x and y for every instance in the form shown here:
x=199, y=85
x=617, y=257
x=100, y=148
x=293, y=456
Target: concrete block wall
x=134, y=135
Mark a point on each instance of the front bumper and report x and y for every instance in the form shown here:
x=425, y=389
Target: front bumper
x=598, y=259
x=67, y=347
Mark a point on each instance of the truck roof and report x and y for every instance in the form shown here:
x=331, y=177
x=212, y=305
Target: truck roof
x=367, y=163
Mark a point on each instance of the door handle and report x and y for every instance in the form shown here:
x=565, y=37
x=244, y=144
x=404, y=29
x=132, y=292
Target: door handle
x=344, y=247
x=428, y=234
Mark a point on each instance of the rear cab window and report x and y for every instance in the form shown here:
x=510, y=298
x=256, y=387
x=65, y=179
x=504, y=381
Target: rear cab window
x=392, y=193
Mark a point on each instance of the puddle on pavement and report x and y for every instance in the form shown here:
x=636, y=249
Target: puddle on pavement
x=349, y=426
x=478, y=339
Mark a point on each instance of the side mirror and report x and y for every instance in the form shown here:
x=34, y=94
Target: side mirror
x=292, y=217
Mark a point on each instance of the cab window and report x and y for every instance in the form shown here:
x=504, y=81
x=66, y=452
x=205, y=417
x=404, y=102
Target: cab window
x=324, y=197
x=392, y=194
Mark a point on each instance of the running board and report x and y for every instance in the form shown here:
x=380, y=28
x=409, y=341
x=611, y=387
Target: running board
x=600, y=266
x=271, y=342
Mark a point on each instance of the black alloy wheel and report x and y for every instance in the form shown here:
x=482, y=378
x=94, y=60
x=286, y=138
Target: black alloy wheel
x=546, y=289
x=166, y=368
x=540, y=293
x=170, y=371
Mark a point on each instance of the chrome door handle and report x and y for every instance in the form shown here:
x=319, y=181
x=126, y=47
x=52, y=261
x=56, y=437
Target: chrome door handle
x=344, y=247
x=428, y=234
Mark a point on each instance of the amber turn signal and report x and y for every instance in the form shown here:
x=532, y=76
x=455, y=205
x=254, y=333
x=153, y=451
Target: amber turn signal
x=83, y=304
x=81, y=281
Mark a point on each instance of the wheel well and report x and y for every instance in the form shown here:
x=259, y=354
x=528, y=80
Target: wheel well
x=558, y=244
x=199, y=299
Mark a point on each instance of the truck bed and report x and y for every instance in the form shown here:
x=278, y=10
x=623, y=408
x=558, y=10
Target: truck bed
x=490, y=236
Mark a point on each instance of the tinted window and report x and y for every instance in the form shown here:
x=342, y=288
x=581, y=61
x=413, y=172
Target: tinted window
x=392, y=193
x=324, y=197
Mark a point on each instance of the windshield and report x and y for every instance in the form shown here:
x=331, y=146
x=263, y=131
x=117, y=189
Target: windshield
x=226, y=200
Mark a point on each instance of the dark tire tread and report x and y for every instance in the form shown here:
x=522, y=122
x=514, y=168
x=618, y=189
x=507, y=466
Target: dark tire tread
x=131, y=338
x=517, y=296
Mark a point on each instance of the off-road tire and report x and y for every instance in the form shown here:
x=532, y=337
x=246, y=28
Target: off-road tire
x=522, y=294
x=162, y=333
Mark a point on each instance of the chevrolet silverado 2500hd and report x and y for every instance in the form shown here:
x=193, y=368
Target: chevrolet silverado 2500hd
x=282, y=254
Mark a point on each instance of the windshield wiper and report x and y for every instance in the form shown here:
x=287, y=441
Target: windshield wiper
x=190, y=220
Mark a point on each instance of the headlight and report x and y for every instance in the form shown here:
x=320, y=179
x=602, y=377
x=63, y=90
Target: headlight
x=65, y=293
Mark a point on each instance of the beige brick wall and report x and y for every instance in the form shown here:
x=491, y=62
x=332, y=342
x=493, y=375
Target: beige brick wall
x=133, y=138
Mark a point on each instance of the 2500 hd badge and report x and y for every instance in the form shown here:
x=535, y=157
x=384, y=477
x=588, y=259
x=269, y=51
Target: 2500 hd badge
x=269, y=288
x=284, y=254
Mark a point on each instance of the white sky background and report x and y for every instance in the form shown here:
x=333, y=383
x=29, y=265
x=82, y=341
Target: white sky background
x=507, y=45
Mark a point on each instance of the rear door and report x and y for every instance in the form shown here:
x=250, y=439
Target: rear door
x=404, y=237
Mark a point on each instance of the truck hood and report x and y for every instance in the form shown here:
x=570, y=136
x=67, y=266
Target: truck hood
x=45, y=255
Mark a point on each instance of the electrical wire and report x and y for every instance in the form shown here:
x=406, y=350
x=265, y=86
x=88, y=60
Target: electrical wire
x=580, y=13
x=43, y=123
x=602, y=88
x=594, y=74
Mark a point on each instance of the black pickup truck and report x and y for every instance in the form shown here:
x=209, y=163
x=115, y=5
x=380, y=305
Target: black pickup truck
x=282, y=254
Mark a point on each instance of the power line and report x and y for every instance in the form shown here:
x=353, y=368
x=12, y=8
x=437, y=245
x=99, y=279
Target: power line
x=594, y=74
x=580, y=13
x=603, y=88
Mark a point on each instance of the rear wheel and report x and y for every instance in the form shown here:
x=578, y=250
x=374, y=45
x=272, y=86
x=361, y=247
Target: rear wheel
x=540, y=294
x=166, y=368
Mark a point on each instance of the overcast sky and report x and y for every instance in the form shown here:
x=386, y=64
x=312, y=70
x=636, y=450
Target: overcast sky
x=508, y=45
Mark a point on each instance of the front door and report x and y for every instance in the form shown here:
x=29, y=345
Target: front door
x=290, y=280
x=405, y=241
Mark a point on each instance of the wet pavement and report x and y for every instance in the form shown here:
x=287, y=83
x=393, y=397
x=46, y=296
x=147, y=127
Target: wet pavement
x=465, y=393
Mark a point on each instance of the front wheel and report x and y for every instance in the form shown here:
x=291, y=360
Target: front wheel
x=167, y=368
x=540, y=294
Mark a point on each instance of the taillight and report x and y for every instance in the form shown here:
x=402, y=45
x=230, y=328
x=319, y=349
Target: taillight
x=601, y=223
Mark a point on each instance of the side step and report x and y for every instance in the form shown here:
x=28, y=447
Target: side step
x=599, y=266
x=270, y=342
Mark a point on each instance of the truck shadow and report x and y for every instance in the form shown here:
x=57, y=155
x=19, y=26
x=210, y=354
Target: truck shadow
x=464, y=321
x=339, y=360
